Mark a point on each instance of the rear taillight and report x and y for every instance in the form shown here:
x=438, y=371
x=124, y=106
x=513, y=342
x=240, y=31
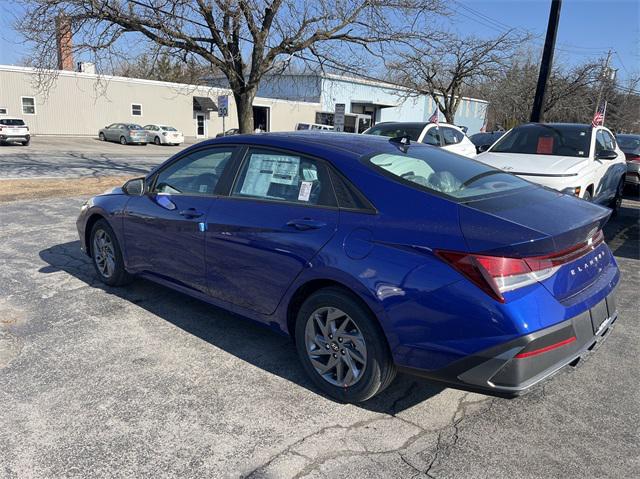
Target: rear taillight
x=496, y=275
x=631, y=157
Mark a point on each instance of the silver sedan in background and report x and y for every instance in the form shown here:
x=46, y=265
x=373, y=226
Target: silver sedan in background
x=163, y=135
x=124, y=133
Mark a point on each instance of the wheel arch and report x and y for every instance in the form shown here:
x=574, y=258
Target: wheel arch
x=92, y=220
x=308, y=288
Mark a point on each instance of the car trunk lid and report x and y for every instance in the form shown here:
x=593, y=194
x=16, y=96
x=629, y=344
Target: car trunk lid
x=536, y=222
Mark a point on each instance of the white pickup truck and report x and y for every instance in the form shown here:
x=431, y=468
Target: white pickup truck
x=575, y=159
x=14, y=130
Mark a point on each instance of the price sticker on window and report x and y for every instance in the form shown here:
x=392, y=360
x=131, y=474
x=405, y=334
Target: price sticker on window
x=305, y=191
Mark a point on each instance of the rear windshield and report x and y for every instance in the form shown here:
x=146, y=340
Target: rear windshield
x=133, y=126
x=397, y=130
x=628, y=142
x=168, y=128
x=561, y=140
x=11, y=122
x=444, y=172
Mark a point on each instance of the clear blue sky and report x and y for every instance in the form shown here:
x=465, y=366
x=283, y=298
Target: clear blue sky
x=588, y=28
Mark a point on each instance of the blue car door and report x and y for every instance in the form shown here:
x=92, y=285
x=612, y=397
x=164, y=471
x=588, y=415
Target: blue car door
x=280, y=212
x=164, y=229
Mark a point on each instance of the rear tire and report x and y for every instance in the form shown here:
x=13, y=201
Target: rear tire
x=156, y=140
x=350, y=335
x=123, y=140
x=26, y=143
x=616, y=202
x=107, y=255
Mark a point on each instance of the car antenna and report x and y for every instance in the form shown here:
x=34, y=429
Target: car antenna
x=402, y=142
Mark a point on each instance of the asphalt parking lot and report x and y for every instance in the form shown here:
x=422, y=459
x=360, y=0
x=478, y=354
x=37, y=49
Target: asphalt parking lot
x=146, y=382
x=57, y=157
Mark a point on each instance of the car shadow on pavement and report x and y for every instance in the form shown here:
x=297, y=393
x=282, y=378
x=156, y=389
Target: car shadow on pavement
x=245, y=339
x=622, y=233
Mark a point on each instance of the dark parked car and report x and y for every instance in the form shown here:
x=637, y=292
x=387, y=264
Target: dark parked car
x=374, y=254
x=484, y=140
x=630, y=145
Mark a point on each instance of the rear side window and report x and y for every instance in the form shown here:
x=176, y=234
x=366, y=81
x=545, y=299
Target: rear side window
x=276, y=176
x=443, y=172
x=348, y=195
x=397, y=130
x=432, y=137
x=451, y=136
x=196, y=174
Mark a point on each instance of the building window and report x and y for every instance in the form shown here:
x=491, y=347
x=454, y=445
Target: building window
x=136, y=109
x=28, y=105
x=3, y=111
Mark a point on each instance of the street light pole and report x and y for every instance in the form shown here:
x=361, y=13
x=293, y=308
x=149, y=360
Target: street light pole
x=547, y=61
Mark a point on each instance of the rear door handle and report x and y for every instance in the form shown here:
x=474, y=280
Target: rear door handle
x=191, y=213
x=304, y=224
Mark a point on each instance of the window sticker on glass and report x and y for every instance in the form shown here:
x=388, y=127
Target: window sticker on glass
x=263, y=170
x=310, y=174
x=305, y=191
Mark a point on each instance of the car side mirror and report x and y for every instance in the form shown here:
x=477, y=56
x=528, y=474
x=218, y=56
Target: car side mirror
x=134, y=187
x=606, y=155
x=483, y=148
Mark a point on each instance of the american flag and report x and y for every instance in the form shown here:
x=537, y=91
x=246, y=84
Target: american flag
x=434, y=118
x=598, y=118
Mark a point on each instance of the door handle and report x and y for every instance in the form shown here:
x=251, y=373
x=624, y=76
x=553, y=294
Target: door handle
x=304, y=224
x=191, y=213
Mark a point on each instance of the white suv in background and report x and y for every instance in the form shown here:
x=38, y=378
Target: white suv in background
x=14, y=130
x=448, y=137
x=575, y=159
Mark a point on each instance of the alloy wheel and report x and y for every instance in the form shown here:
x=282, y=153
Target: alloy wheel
x=335, y=346
x=104, y=253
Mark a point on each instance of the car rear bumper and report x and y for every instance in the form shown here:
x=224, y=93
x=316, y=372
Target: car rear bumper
x=4, y=137
x=513, y=367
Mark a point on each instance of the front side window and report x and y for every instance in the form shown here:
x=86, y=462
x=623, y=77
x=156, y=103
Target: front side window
x=432, y=137
x=443, y=172
x=136, y=109
x=538, y=139
x=196, y=174
x=28, y=105
x=601, y=143
x=276, y=176
x=397, y=130
x=609, y=142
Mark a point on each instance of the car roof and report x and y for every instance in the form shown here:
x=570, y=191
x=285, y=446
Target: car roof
x=350, y=144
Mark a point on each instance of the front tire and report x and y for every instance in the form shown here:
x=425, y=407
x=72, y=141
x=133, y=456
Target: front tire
x=587, y=196
x=102, y=137
x=123, y=140
x=107, y=255
x=156, y=140
x=342, y=346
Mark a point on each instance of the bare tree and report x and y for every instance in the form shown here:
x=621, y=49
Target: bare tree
x=244, y=40
x=443, y=68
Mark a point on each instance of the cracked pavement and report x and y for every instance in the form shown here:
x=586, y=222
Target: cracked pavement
x=146, y=382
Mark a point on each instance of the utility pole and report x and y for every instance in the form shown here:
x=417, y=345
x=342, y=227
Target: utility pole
x=547, y=60
x=604, y=76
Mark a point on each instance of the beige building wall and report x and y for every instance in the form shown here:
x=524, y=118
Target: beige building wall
x=79, y=104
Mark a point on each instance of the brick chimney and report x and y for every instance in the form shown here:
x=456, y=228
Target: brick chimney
x=64, y=43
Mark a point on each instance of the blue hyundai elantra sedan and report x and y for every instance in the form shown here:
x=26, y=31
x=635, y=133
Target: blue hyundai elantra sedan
x=375, y=255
